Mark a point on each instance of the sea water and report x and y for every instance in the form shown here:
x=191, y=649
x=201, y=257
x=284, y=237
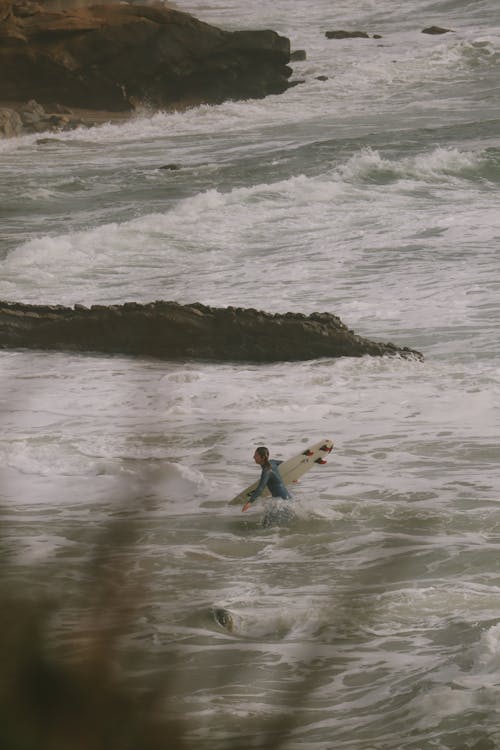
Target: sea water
x=373, y=621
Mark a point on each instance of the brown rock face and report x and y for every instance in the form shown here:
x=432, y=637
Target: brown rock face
x=168, y=330
x=118, y=55
x=10, y=123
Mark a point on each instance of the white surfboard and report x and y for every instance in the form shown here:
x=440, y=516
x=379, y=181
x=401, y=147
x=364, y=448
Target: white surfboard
x=292, y=469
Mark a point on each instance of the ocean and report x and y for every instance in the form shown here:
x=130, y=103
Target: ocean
x=373, y=621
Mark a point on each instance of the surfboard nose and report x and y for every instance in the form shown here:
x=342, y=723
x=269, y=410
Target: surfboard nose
x=327, y=447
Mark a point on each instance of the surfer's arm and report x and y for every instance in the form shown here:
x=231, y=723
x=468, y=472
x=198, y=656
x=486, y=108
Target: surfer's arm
x=252, y=496
x=264, y=479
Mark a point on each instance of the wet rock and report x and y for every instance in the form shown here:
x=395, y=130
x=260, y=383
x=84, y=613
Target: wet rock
x=114, y=55
x=11, y=124
x=346, y=34
x=47, y=141
x=436, y=30
x=168, y=330
x=59, y=109
x=32, y=111
x=224, y=618
x=31, y=117
x=298, y=55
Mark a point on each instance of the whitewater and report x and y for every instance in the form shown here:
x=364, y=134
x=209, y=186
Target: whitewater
x=372, y=622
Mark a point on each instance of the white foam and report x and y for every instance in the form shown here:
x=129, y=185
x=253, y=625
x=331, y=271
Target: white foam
x=440, y=703
x=434, y=166
x=102, y=264
x=488, y=652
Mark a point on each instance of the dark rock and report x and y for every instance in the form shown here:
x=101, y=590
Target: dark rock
x=171, y=167
x=114, y=55
x=346, y=35
x=45, y=141
x=5, y=10
x=168, y=330
x=224, y=618
x=59, y=122
x=435, y=30
x=298, y=55
x=25, y=9
x=59, y=109
x=322, y=78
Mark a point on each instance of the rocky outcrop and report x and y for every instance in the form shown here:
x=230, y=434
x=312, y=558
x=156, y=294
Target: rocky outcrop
x=31, y=117
x=436, y=30
x=341, y=34
x=168, y=330
x=117, y=56
x=11, y=124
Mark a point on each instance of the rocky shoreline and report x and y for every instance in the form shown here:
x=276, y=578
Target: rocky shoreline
x=71, y=63
x=171, y=331
x=83, y=66
x=25, y=118
x=121, y=57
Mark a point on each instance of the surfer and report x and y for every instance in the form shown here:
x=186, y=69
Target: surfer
x=270, y=478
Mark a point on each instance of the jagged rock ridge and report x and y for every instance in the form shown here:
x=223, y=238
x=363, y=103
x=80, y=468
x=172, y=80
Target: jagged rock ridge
x=168, y=330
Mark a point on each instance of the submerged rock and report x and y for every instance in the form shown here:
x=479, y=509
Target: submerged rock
x=224, y=618
x=168, y=330
x=436, y=30
x=117, y=56
x=341, y=34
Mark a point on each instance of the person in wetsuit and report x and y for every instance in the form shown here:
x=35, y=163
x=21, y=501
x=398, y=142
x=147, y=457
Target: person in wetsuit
x=270, y=478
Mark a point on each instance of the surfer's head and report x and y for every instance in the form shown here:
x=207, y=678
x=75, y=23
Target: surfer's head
x=261, y=455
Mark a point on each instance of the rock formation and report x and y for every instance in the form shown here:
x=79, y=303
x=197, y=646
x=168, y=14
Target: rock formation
x=436, y=30
x=341, y=34
x=11, y=124
x=168, y=330
x=119, y=55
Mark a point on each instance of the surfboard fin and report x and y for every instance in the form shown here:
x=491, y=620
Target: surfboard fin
x=309, y=453
x=320, y=461
x=326, y=448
